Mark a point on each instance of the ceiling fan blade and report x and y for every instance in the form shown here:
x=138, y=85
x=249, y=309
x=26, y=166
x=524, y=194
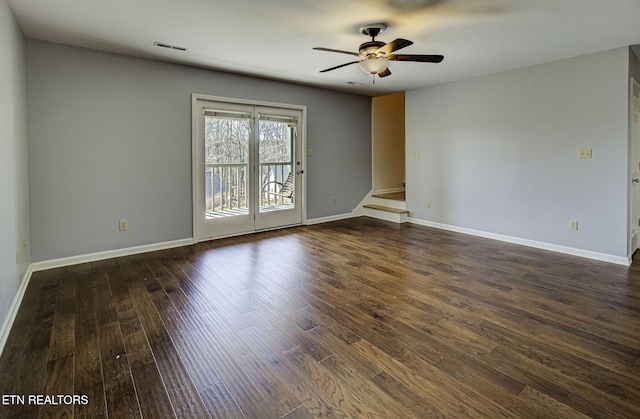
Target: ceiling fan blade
x=385, y=73
x=340, y=66
x=336, y=50
x=394, y=45
x=416, y=58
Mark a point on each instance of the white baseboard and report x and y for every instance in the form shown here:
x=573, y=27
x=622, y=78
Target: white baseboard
x=13, y=309
x=92, y=257
x=330, y=218
x=603, y=257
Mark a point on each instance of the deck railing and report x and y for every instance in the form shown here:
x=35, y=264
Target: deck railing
x=272, y=177
x=227, y=185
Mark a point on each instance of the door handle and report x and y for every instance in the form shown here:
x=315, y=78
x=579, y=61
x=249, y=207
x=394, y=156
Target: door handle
x=635, y=180
x=299, y=172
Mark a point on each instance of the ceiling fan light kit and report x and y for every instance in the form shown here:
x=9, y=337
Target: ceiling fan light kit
x=375, y=55
x=374, y=65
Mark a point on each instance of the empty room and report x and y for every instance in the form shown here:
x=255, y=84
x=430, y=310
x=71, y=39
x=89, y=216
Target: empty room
x=298, y=209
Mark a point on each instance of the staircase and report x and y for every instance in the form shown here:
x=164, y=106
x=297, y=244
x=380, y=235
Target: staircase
x=387, y=206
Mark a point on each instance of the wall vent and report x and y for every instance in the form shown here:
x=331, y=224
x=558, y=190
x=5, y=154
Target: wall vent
x=169, y=46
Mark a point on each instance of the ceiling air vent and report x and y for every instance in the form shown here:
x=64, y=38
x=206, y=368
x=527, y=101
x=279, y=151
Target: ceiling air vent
x=168, y=46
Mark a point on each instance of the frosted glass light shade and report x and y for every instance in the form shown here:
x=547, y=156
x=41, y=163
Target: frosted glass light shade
x=374, y=65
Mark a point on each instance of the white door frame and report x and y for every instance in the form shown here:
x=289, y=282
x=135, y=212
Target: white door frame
x=634, y=168
x=301, y=195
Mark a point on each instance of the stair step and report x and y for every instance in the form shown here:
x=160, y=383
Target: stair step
x=388, y=209
x=386, y=203
x=396, y=196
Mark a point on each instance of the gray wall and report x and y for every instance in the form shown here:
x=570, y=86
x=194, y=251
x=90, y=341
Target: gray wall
x=499, y=154
x=110, y=139
x=634, y=63
x=14, y=194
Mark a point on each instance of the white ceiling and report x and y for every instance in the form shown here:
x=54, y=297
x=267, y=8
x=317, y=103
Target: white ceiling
x=274, y=38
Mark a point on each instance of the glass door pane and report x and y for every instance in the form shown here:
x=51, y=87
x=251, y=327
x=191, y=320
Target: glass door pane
x=227, y=141
x=277, y=182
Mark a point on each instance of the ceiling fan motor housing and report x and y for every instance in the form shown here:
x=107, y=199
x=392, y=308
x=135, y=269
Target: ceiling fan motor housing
x=369, y=48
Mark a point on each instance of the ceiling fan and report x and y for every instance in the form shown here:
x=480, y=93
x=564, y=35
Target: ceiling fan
x=375, y=55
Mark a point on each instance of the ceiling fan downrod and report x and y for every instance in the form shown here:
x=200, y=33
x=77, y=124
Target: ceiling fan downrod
x=373, y=30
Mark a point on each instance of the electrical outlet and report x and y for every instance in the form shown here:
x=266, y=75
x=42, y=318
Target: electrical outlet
x=17, y=257
x=428, y=204
x=585, y=153
x=122, y=225
x=333, y=199
x=416, y=154
x=573, y=225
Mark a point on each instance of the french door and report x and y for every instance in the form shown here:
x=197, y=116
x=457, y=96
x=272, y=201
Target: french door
x=247, y=167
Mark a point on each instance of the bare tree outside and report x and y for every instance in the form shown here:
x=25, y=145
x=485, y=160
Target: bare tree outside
x=275, y=144
x=226, y=141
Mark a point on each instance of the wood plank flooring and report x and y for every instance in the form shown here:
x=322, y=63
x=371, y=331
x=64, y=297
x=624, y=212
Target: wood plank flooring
x=355, y=318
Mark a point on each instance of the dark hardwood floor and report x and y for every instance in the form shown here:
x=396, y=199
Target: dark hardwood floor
x=355, y=318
